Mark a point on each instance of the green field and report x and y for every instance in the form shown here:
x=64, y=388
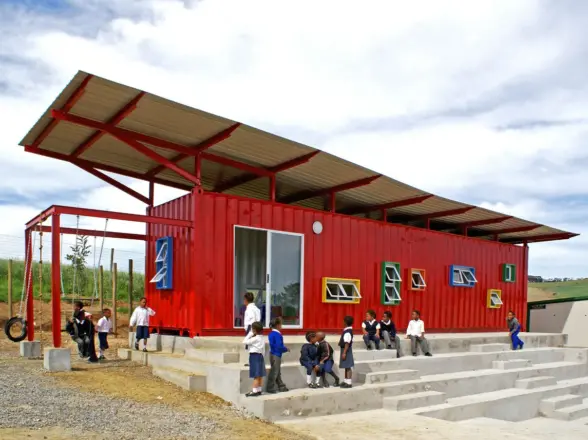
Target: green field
x=565, y=289
x=85, y=288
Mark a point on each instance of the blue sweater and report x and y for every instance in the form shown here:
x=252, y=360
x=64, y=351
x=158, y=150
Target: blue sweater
x=276, y=343
x=308, y=354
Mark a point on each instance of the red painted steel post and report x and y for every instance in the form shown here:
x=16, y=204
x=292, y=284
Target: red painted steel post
x=272, y=193
x=384, y=212
x=151, y=195
x=333, y=202
x=56, y=280
x=196, y=256
x=198, y=166
x=29, y=285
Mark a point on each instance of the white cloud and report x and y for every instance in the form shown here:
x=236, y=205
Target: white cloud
x=483, y=102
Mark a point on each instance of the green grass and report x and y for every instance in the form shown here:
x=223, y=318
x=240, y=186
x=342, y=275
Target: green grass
x=86, y=289
x=565, y=289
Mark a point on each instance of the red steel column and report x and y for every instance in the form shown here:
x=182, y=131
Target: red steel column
x=29, y=285
x=56, y=280
x=272, y=193
x=199, y=324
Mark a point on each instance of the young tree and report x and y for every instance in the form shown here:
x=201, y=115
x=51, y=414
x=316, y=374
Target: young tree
x=79, y=252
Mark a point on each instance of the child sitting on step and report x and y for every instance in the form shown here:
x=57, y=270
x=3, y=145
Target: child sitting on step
x=308, y=357
x=371, y=328
x=346, y=343
x=416, y=333
x=388, y=333
x=254, y=340
x=514, y=328
x=325, y=362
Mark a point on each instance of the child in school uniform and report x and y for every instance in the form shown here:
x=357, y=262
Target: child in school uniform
x=388, y=333
x=514, y=328
x=308, y=357
x=254, y=340
x=325, y=362
x=140, y=318
x=277, y=349
x=252, y=313
x=346, y=344
x=416, y=333
x=371, y=328
x=103, y=327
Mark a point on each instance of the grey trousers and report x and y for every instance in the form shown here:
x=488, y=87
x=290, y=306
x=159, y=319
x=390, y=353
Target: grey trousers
x=394, y=343
x=421, y=341
x=274, y=378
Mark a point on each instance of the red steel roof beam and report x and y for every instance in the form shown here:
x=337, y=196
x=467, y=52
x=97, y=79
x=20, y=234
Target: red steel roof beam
x=115, y=120
x=547, y=237
x=386, y=206
x=95, y=233
x=111, y=169
x=66, y=108
x=204, y=145
x=441, y=214
x=514, y=230
x=490, y=221
x=236, y=164
x=123, y=216
x=115, y=183
x=304, y=195
x=241, y=180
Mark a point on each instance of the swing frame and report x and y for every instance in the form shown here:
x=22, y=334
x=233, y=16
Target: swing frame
x=54, y=214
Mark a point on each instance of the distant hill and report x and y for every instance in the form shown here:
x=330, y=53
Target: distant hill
x=564, y=289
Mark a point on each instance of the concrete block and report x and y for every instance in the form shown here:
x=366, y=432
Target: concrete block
x=30, y=349
x=571, y=412
x=535, y=382
x=57, y=359
x=486, y=348
x=124, y=353
x=388, y=376
x=178, y=363
x=221, y=357
x=187, y=381
x=547, y=406
x=415, y=400
x=511, y=364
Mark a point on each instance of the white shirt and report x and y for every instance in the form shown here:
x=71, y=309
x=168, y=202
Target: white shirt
x=347, y=336
x=252, y=314
x=415, y=328
x=255, y=342
x=141, y=316
x=372, y=323
x=104, y=325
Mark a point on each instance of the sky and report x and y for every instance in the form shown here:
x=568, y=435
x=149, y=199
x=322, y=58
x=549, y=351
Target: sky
x=483, y=102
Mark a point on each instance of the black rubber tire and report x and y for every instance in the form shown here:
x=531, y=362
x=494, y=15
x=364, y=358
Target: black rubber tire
x=10, y=323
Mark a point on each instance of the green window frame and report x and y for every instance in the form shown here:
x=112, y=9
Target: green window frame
x=509, y=273
x=391, y=281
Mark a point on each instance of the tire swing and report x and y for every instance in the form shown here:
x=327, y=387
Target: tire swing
x=11, y=327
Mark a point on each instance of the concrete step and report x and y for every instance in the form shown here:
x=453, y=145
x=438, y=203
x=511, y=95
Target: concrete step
x=359, y=354
x=486, y=348
x=581, y=421
x=415, y=400
x=571, y=412
x=535, y=382
x=215, y=356
x=388, y=376
x=187, y=381
x=179, y=363
x=551, y=404
x=511, y=364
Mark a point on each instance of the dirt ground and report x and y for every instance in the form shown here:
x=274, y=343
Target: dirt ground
x=133, y=382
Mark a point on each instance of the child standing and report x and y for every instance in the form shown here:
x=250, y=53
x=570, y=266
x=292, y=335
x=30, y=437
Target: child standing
x=254, y=340
x=308, y=357
x=140, y=318
x=388, y=333
x=371, y=327
x=514, y=327
x=104, y=327
x=325, y=362
x=346, y=343
x=277, y=349
x=252, y=313
x=416, y=333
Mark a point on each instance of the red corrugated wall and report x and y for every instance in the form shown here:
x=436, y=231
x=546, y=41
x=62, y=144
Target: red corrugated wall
x=347, y=248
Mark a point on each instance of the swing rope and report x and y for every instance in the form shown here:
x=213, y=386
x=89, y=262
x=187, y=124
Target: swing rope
x=95, y=296
x=24, y=297
x=41, y=285
x=61, y=267
x=75, y=266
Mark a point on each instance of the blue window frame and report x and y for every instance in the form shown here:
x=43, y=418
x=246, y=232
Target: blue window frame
x=462, y=276
x=163, y=264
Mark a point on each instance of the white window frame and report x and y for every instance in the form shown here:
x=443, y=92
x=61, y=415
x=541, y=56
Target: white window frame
x=161, y=258
x=415, y=286
x=510, y=273
x=162, y=255
x=392, y=280
x=495, y=299
x=160, y=275
x=340, y=294
x=395, y=293
x=390, y=283
x=463, y=281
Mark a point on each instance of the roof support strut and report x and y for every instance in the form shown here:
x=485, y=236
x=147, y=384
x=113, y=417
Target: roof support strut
x=304, y=195
x=514, y=230
x=386, y=206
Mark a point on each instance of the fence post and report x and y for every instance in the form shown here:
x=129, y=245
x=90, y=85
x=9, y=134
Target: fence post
x=101, y=286
x=10, y=289
x=114, y=283
x=130, y=288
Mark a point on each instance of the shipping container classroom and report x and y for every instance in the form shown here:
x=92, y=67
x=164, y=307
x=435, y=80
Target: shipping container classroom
x=312, y=236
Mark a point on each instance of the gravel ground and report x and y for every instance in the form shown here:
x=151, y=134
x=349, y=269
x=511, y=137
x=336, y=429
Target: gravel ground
x=33, y=401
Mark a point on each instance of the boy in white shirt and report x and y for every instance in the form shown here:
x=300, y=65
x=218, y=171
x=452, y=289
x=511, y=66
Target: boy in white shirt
x=104, y=327
x=252, y=313
x=140, y=318
x=416, y=333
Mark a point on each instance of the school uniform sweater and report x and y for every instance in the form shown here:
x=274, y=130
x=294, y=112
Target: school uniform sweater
x=371, y=327
x=346, y=337
x=140, y=316
x=513, y=324
x=324, y=352
x=388, y=327
x=276, y=343
x=308, y=354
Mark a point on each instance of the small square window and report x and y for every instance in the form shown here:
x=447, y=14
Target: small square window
x=509, y=273
x=391, y=281
x=417, y=279
x=494, y=299
x=462, y=276
x=341, y=290
x=163, y=263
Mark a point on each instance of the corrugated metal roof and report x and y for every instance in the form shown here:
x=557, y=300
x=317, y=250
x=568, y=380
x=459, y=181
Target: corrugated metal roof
x=101, y=100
